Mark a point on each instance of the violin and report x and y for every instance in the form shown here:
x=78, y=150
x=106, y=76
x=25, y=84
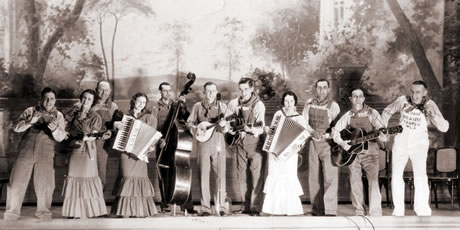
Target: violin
x=173, y=163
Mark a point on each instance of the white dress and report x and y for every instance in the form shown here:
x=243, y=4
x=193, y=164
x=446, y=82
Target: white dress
x=282, y=186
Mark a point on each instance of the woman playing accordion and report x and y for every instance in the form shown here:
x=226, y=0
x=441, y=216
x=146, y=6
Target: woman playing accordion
x=282, y=187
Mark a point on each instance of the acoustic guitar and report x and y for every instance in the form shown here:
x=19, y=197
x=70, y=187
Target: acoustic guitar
x=359, y=143
x=233, y=137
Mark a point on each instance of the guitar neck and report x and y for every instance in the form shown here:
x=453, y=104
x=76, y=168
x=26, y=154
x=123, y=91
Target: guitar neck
x=376, y=133
x=368, y=137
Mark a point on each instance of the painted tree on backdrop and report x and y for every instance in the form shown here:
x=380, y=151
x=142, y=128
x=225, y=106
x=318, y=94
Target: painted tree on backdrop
x=415, y=40
x=48, y=27
x=231, y=43
x=291, y=33
x=451, y=78
x=115, y=10
x=178, y=36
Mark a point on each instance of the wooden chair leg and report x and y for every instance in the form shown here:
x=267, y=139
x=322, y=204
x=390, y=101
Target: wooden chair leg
x=436, y=194
x=452, y=195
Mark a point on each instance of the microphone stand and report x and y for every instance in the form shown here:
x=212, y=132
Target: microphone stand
x=218, y=195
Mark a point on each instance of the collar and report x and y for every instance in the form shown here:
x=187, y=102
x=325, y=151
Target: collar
x=355, y=113
x=252, y=100
x=319, y=102
x=413, y=106
x=162, y=103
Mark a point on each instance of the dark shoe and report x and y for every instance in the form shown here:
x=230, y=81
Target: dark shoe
x=247, y=212
x=191, y=211
x=205, y=214
x=255, y=213
x=222, y=213
x=330, y=215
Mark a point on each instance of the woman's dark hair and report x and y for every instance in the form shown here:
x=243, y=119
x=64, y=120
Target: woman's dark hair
x=288, y=93
x=47, y=90
x=134, y=98
x=90, y=91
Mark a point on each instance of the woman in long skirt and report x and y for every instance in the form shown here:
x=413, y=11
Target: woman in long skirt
x=282, y=187
x=134, y=191
x=83, y=195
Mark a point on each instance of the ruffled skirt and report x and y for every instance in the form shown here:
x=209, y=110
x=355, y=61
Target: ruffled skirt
x=282, y=187
x=83, y=197
x=82, y=190
x=134, y=191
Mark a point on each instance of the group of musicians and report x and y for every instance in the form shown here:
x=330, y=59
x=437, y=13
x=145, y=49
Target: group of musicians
x=268, y=182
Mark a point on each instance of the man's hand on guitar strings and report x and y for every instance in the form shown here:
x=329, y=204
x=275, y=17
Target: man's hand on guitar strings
x=346, y=145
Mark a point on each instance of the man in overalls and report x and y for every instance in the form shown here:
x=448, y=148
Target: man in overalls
x=368, y=119
x=105, y=108
x=161, y=112
x=248, y=151
x=43, y=126
x=210, y=153
x=417, y=112
x=320, y=112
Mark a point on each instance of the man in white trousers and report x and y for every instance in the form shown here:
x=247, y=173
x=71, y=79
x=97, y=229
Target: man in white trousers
x=417, y=112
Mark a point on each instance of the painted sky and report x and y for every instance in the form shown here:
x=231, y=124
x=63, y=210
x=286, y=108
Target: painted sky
x=140, y=39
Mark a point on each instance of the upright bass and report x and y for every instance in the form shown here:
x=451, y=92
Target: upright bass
x=173, y=163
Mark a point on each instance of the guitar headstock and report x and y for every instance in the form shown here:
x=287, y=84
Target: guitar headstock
x=392, y=130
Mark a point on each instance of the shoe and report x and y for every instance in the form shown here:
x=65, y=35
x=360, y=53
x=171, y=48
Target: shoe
x=191, y=211
x=205, y=214
x=222, y=213
x=330, y=215
x=255, y=213
x=247, y=212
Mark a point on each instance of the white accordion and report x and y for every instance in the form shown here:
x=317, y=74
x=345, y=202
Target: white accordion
x=285, y=133
x=135, y=137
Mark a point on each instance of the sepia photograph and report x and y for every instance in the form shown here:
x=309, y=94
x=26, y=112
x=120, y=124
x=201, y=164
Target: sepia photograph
x=229, y=114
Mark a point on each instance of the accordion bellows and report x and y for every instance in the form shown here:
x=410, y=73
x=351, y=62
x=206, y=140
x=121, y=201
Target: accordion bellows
x=284, y=133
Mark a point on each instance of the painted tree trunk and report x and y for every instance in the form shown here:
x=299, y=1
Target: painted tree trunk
x=424, y=66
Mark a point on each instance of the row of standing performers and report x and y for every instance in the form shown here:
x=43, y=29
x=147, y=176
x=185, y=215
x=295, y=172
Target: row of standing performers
x=276, y=193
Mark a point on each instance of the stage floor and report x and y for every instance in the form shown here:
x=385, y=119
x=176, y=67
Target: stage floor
x=443, y=218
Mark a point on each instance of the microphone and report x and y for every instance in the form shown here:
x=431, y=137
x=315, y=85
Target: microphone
x=218, y=98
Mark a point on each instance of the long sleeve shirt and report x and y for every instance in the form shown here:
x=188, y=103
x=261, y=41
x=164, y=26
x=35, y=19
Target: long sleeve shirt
x=23, y=122
x=434, y=117
x=374, y=118
x=258, y=112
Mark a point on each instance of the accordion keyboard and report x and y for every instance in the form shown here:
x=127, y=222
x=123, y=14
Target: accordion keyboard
x=126, y=137
x=271, y=134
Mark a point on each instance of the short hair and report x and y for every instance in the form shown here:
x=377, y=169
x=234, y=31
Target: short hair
x=99, y=82
x=208, y=83
x=320, y=80
x=162, y=84
x=47, y=90
x=134, y=98
x=90, y=91
x=419, y=83
x=356, y=88
x=288, y=93
x=246, y=80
